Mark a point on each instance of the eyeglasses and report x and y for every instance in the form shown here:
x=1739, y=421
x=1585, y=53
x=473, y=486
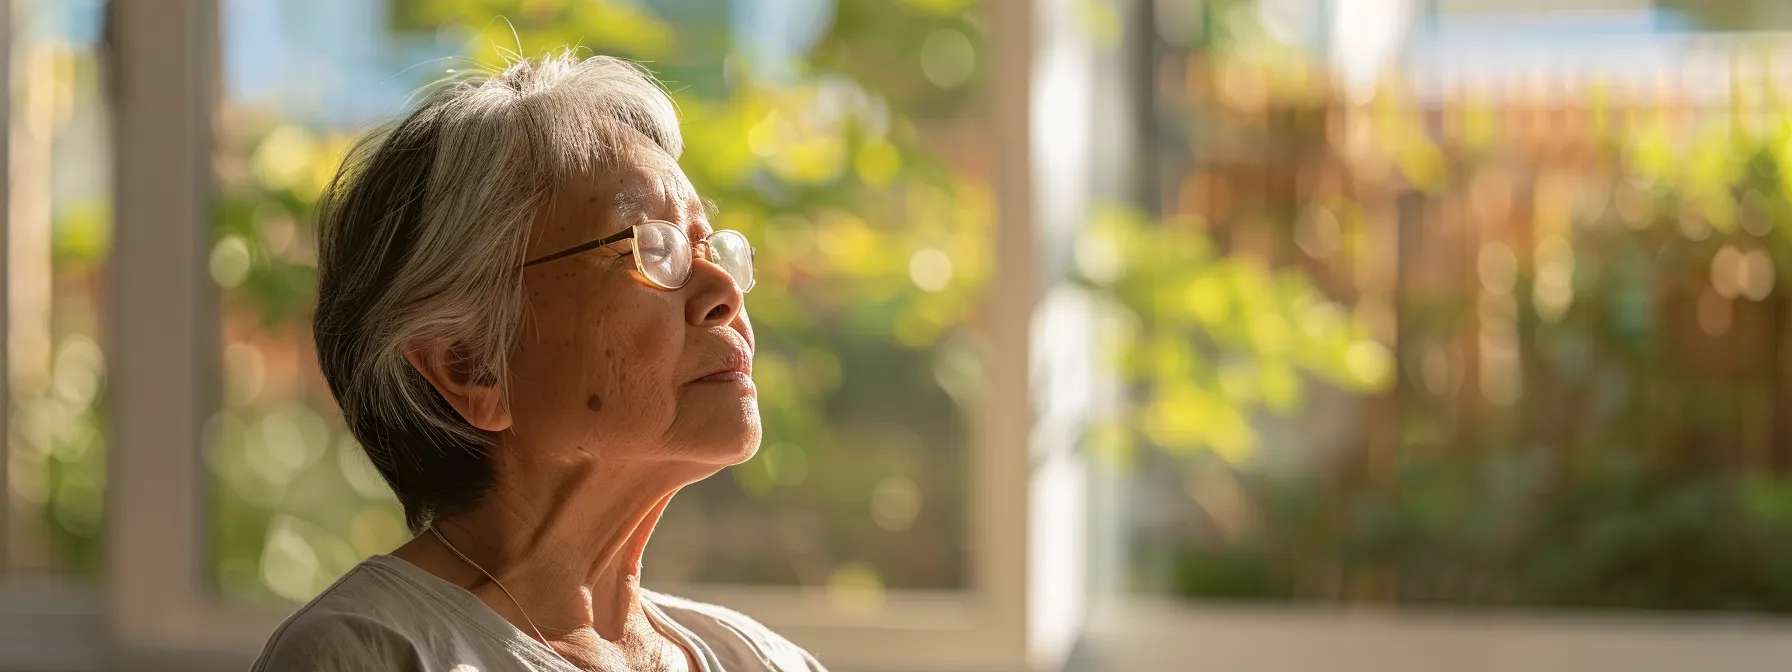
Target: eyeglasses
x=664, y=256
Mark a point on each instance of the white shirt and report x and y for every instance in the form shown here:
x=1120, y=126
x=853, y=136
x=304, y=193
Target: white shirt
x=388, y=614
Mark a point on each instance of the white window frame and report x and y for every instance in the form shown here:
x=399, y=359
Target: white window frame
x=163, y=345
x=1156, y=634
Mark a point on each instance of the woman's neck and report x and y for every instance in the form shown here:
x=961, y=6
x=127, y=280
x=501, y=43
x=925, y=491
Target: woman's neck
x=567, y=546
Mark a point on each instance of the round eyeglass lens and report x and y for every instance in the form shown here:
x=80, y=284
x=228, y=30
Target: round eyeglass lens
x=730, y=250
x=663, y=253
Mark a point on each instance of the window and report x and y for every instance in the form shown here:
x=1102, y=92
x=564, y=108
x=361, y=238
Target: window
x=875, y=184
x=58, y=228
x=1459, y=305
x=864, y=182
x=1457, y=313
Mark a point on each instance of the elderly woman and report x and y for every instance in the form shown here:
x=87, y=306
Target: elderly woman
x=537, y=338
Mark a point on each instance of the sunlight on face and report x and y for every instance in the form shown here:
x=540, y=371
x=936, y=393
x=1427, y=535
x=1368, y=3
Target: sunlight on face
x=610, y=364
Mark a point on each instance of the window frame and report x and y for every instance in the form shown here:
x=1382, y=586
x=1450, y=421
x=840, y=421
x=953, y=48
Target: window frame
x=164, y=365
x=1143, y=633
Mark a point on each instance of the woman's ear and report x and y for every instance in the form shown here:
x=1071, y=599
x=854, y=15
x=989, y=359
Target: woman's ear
x=474, y=393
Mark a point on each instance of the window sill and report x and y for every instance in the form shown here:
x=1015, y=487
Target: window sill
x=1148, y=634
x=50, y=623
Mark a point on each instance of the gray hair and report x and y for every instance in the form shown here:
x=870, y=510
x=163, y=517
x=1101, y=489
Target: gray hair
x=421, y=238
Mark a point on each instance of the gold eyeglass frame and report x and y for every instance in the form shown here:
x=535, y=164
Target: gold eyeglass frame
x=632, y=234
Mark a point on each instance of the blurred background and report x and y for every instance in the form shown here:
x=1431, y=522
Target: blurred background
x=1094, y=334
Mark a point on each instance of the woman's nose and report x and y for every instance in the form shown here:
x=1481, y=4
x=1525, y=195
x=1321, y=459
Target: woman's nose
x=715, y=298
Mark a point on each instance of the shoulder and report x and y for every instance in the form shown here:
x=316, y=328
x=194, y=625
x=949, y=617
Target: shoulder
x=348, y=627
x=736, y=638
x=322, y=639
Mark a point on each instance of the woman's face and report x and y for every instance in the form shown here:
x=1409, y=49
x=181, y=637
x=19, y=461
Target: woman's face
x=612, y=366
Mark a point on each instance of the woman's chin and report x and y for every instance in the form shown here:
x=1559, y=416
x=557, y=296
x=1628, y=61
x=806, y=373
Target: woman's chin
x=725, y=437
x=745, y=435
x=726, y=452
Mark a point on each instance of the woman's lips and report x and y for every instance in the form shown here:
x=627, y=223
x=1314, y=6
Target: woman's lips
x=726, y=377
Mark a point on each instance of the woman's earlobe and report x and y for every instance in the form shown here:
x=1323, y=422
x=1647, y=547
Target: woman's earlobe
x=488, y=410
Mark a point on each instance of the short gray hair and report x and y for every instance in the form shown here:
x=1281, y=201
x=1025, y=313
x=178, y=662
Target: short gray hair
x=421, y=238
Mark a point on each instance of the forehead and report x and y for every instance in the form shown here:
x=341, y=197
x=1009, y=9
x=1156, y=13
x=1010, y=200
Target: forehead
x=647, y=183
x=642, y=184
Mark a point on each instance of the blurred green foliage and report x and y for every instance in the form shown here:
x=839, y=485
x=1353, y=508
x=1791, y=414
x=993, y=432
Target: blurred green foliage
x=1208, y=340
x=1645, y=312
x=56, y=434
x=1492, y=531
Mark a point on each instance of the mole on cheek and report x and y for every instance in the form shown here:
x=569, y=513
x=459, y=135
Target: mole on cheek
x=594, y=403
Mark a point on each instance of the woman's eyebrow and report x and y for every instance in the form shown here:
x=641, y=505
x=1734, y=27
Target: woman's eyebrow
x=633, y=202
x=638, y=201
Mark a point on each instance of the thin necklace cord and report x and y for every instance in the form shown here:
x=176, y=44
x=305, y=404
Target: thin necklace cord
x=500, y=584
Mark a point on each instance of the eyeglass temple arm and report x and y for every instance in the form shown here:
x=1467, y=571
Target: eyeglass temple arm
x=624, y=234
